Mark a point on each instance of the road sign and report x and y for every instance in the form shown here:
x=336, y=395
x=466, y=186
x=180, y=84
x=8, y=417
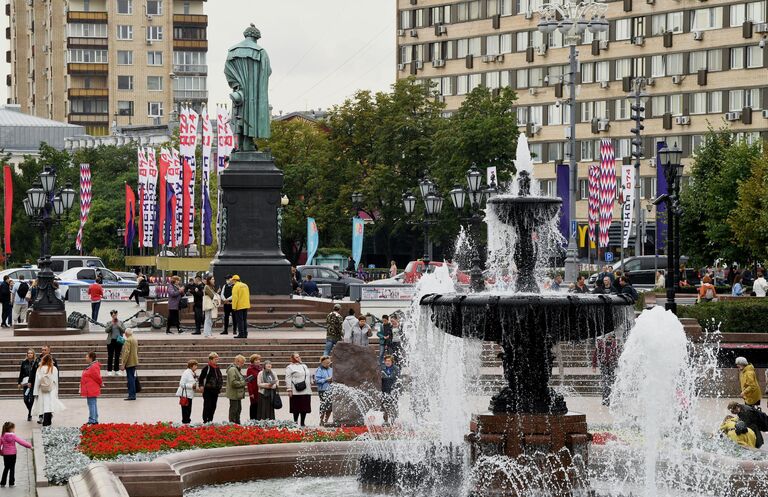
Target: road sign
x=574, y=226
x=609, y=257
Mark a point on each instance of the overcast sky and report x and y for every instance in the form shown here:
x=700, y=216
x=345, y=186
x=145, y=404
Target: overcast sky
x=321, y=50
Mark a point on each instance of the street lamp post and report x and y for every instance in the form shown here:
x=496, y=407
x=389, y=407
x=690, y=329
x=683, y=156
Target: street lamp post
x=673, y=170
x=572, y=20
x=433, y=205
x=45, y=205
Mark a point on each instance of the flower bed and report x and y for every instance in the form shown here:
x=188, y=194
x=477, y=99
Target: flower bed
x=107, y=441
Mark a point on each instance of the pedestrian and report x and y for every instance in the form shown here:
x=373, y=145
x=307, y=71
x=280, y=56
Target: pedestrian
x=299, y=392
x=141, y=291
x=605, y=272
x=661, y=281
x=626, y=288
x=96, y=293
x=20, y=300
x=360, y=333
x=90, y=386
x=604, y=287
x=26, y=373
x=186, y=391
x=738, y=431
x=211, y=382
x=129, y=360
x=295, y=280
x=115, y=331
x=268, y=383
x=390, y=374
x=174, y=299
x=241, y=302
x=392, y=269
x=557, y=283
x=235, y=389
x=226, y=299
x=44, y=351
x=349, y=322
x=580, y=286
x=753, y=418
x=5, y=299
x=324, y=380
x=760, y=286
x=385, y=337
x=211, y=302
x=46, y=391
x=396, y=350
x=738, y=289
x=309, y=287
x=251, y=377
x=606, y=357
x=197, y=289
x=8, y=441
x=750, y=388
x=350, y=265
x=333, y=331
x=707, y=291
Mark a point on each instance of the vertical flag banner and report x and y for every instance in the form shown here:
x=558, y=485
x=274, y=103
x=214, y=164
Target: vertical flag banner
x=661, y=209
x=628, y=200
x=193, y=122
x=150, y=211
x=85, y=203
x=165, y=160
x=593, y=214
x=205, y=200
x=607, y=189
x=224, y=147
x=313, y=239
x=8, y=214
x=187, y=223
x=358, y=231
x=130, y=216
x=178, y=194
x=143, y=179
x=563, y=192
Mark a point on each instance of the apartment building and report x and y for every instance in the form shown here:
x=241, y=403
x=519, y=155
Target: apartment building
x=706, y=61
x=106, y=63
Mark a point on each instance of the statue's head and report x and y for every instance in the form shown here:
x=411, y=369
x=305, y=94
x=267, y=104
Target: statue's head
x=252, y=32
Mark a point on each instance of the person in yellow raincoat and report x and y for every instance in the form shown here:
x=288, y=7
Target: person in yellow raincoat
x=750, y=388
x=738, y=432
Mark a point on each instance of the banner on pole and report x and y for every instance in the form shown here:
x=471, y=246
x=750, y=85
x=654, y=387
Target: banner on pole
x=85, y=202
x=593, y=213
x=205, y=200
x=165, y=160
x=143, y=198
x=150, y=212
x=358, y=231
x=628, y=201
x=8, y=214
x=130, y=216
x=174, y=172
x=193, y=124
x=313, y=239
x=607, y=190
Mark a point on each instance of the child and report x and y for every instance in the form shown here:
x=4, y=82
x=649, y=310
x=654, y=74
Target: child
x=8, y=441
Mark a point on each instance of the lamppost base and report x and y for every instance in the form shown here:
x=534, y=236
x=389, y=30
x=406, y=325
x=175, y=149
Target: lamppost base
x=571, y=262
x=52, y=319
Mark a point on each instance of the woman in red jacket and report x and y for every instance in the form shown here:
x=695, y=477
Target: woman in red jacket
x=90, y=386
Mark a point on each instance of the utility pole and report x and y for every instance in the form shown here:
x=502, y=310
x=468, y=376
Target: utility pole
x=638, y=113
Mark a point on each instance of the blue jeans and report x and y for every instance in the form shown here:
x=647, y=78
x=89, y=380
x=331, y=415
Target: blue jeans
x=382, y=349
x=329, y=345
x=93, y=411
x=131, y=372
x=95, y=310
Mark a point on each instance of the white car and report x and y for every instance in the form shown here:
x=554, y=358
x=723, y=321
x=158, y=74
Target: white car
x=30, y=273
x=86, y=276
x=399, y=279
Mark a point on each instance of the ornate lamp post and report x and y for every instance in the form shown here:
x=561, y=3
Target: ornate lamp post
x=45, y=205
x=572, y=19
x=671, y=159
x=476, y=193
x=433, y=205
x=357, y=204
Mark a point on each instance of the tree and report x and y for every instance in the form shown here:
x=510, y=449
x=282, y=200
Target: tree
x=749, y=220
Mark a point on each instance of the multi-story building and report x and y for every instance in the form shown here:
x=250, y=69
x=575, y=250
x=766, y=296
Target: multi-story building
x=106, y=63
x=706, y=62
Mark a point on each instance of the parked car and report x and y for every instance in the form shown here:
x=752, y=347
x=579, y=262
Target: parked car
x=127, y=275
x=399, y=279
x=86, y=276
x=30, y=273
x=326, y=276
x=61, y=263
x=416, y=269
x=642, y=270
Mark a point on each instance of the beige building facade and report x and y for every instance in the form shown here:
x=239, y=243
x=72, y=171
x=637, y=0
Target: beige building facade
x=706, y=60
x=106, y=63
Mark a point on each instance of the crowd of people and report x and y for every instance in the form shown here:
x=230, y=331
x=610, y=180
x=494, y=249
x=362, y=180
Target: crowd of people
x=15, y=297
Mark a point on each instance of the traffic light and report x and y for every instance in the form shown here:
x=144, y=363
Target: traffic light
x=637, y=141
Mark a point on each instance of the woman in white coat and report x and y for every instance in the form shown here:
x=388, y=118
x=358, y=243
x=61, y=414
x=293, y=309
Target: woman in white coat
x=186, y=391
x=297, y=381
x=46, y=391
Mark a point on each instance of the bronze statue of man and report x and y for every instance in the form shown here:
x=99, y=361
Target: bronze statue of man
x=247, y=70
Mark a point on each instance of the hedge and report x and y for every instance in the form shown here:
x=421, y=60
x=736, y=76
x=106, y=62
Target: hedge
x=731, y=316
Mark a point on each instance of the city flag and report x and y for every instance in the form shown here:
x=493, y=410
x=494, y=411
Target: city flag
x=205, y=200
x=628, y=200
x=130, y=216
x=313, y=239
x=178, y=193
x=85, y=202
x=358, y=231
x=224, y=147
x=151, y=210
x=187, y=207
x=193, y=122
x=607, y=190
x=143, y=179
x=8, y=214
x=165, y=159
x=593, y=213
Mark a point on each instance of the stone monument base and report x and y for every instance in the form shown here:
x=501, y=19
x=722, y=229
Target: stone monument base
x=355, y=367
x=46, y=323
x=531, y=440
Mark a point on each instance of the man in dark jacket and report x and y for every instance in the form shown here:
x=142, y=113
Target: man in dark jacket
x=226, y=299
x=626, y=288
x=196, y=289
x=753, y=418
x=7, y=304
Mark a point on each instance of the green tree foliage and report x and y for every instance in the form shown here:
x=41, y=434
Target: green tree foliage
x=719, y=166
x=749, y=220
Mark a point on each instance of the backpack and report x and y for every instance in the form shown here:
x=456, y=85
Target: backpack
x=212, y=380
x=709, y=294
x=23, y=289
x=46, y=384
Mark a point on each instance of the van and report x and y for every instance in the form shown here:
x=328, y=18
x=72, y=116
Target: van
x=61, y=263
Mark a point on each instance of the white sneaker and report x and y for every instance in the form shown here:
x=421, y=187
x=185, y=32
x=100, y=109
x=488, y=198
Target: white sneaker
x=121, y=373
x=111, y=373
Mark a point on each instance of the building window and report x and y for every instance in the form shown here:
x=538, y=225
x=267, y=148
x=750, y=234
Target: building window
x=79, y=55
x=536, y=114
x=468, y=46
x=536, y=151
x=671, y=21
x=124, y=32
x=492, y=80
x=623, y=29
x=602, y=71
x=155, y=83
x=461, y=84
x=588, y=72
x=622, y=148
x=754, y=56
x=125, y=107
x=405, y=19
x=554, y=114
x=714, y=60
x=583, y=193
x=536, y=77
x=735, y=100
x=441, y=15
x=698, y=103
x=469, y=11
x=697, y=61
x=155, y=58
x=125, y=82
x=676, y=104
x=703, y=19
x=587, y=111
x=474, y=81
x=522, y=41
x=548, y=187
x=524, y=6
x=601, y=109
x=522, y=78
x=752, y=98
x=737, y=58
x=154, y=33
x=180, y=33
x=155, y=109
x=124, y=57
x=500, y=7
x=81, y=106
x=753, y=11
x=715, y=102
x=622, y=109
x=446, y=85
x=125, y=6
x=86, y=5
x=555, y=152
x=154, y=7
x=187, y=7
x=623, y=68
x=658, y=106
x=80, y=30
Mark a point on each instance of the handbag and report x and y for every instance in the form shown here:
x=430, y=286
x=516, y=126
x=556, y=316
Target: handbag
x=302, y=385
x=120, y=339
x=183, y=303
x=184, y=400
x=277, y=402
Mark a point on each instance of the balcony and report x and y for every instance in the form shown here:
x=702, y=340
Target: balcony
x=79, y=16
x=190, y=20
x=195, y=45
x=84, y=119
x=79, y=42
x=190, y=69
x=8, y=33
x=8, y=8
x=180, y=95
x=87, y=68
x=88, y=92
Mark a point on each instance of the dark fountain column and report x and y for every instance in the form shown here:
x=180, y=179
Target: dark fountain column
x=251, y=188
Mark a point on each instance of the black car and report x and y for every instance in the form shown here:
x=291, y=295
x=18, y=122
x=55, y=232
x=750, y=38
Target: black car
x=326, y=276
x=642, y=270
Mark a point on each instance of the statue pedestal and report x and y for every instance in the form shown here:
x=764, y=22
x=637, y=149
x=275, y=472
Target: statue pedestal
x=251, y=191
x=357, y=368
x=45, y=323
x=536, y=441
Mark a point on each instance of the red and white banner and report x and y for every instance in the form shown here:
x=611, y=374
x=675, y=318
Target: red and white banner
x=150, y=212
x=593, y=212
x=174, y=178
x=206, y=237
x=143, y=207
x=85, y=202
x=188, y=156
x=628, y=201
x=225, y=138
x=607, y=189
x=165, y=161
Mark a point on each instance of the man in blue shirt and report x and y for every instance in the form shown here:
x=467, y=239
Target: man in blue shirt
x=309, y=287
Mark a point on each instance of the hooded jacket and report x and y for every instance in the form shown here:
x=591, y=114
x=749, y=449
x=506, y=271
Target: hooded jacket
x=749, y=385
